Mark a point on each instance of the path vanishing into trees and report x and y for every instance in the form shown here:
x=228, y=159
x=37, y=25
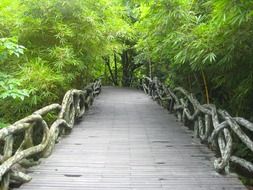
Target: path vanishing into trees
x=127, y=141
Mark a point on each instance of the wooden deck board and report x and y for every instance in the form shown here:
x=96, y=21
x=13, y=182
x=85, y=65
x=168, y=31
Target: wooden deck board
x=127, y=141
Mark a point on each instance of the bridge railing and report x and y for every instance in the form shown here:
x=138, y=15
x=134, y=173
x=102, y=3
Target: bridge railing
x=215, y=127
x=28, y=140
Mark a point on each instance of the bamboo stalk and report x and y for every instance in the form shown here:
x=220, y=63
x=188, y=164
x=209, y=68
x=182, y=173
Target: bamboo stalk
x=206, y=87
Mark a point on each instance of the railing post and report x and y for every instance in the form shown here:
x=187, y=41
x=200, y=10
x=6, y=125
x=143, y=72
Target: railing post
x=7, y=154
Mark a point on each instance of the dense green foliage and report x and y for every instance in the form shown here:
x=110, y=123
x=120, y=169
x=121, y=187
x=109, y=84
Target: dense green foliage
x=47, y=47
x=64, y=44
x=204, y=45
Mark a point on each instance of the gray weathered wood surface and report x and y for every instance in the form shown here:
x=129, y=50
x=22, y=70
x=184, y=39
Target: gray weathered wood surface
x=127, y=141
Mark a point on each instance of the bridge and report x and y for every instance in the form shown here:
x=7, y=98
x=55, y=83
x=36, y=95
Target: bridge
x=124, y=141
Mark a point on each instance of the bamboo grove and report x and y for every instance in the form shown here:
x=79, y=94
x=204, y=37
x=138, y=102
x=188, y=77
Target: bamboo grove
x=50, y=46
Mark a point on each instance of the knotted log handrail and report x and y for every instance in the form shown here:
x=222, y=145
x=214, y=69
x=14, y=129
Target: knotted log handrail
x=28, y=140
x=215, y=127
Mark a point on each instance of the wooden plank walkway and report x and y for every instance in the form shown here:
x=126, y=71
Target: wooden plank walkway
x=127, y=141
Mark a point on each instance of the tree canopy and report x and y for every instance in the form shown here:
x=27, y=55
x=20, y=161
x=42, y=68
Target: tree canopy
x=48, y=47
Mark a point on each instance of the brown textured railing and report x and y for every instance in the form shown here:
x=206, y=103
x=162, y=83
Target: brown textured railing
x=28, y=140
x=213, y=126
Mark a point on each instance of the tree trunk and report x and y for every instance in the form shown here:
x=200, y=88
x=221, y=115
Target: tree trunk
x=126, y=80
x=107, y=61
x=206, y=87
x=115, y=69
x=150, y=68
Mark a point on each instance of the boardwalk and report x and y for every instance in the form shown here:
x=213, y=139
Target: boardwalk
x=127, y=141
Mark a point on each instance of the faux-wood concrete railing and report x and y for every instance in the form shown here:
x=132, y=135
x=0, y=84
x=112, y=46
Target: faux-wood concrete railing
x=28, y=140
x=213, y=126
